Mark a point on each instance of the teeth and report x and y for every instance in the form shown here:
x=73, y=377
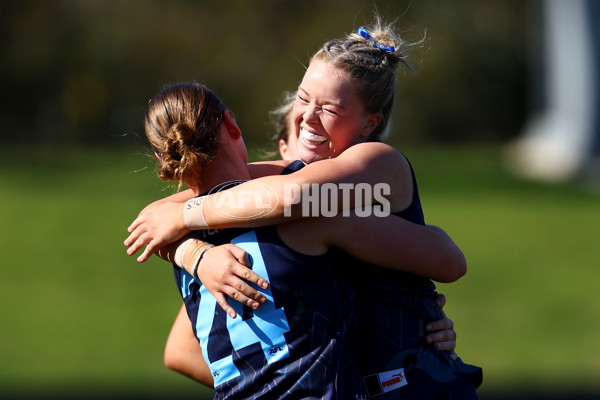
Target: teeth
x=311, y=136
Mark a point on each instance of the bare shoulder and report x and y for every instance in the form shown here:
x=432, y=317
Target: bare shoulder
x=365, y=155
x=368, y=163
x=375, y=154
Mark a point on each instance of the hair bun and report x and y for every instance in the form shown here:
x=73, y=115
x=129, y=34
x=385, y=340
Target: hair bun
x=181, y=124
x=180, y=140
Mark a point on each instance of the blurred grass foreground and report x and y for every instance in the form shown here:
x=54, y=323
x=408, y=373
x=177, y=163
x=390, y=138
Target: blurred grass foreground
x=81, y=319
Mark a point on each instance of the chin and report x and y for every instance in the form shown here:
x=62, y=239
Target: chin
x=312, y=158
x=310, y=155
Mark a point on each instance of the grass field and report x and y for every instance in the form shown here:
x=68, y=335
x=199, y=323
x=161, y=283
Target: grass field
x=80, y=318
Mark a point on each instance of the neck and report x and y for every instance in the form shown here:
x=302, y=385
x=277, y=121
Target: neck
x=224, y=168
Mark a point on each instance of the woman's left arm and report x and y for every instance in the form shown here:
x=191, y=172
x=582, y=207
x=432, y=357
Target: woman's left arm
x=183, y=352
x=393, y=242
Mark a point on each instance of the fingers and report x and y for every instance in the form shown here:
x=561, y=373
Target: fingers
x=237, y=295
x=443, y=340
x=448, y=346
x=240, y=254
x=243, y=269
x=244, y=293
x=138, y=239
x=150, y=249
x=134, y=237
x=441, y=324
x=443, y=336
x=140, y=242
x=136, y=222
x=440, y=300
x=222, y=301
x=250, y=276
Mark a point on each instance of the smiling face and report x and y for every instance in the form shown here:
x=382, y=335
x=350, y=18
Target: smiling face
x=328, y=116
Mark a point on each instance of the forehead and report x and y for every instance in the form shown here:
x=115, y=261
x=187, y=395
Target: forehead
x=323, y=80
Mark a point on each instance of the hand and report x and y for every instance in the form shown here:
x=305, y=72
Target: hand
x=443, y=336
x=225, y=271
x=159, y=224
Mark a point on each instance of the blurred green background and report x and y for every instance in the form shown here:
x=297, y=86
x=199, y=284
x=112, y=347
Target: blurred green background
x=81, y=319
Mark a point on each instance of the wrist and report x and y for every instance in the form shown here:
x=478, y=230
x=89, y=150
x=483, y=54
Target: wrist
x=193, y=214
x=180, y=252
x=194, y=269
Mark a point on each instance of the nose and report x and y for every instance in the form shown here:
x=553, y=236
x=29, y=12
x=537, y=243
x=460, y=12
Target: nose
x=310, y=115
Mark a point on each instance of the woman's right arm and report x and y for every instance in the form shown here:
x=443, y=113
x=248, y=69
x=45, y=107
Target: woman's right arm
x=179, y=197
x=224, y=270
x=368, y=164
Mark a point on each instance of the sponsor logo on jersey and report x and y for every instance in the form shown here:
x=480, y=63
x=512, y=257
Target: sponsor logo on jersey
x=276, y=349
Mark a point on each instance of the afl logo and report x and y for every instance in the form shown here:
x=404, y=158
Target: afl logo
x=276, y=349
x=258, y=195
x=215, y=373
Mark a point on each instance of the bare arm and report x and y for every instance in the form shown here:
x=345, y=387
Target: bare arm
x=366, y=163
x=387, y=241
x=183, y=353
x=177, y=200
x=396, y=243
x=179, y=197
x=391, y=242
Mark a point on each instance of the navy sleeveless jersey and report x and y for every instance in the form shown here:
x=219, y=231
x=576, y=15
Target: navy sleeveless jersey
x=387, y=338
x=293, y=346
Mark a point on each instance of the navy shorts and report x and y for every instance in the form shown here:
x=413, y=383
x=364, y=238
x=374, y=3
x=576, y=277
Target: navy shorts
x=463, y=391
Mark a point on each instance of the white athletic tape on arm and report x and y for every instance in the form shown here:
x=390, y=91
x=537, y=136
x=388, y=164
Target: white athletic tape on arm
x=193, y=214
x=180, y=252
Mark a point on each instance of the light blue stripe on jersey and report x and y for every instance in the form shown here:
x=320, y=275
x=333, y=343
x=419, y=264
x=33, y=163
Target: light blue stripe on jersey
x=267, y=325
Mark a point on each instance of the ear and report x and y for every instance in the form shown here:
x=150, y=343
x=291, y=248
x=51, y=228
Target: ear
x=283, y=148
x=372, y=122
x=231, y=125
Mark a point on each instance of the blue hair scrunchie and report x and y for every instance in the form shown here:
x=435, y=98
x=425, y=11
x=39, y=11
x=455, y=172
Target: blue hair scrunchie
x=363, y=32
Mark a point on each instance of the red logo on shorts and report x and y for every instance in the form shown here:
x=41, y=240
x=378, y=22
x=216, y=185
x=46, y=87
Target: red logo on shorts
x=396, y=378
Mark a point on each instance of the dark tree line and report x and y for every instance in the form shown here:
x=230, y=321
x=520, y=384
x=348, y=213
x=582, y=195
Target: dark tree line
x=77, y=71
